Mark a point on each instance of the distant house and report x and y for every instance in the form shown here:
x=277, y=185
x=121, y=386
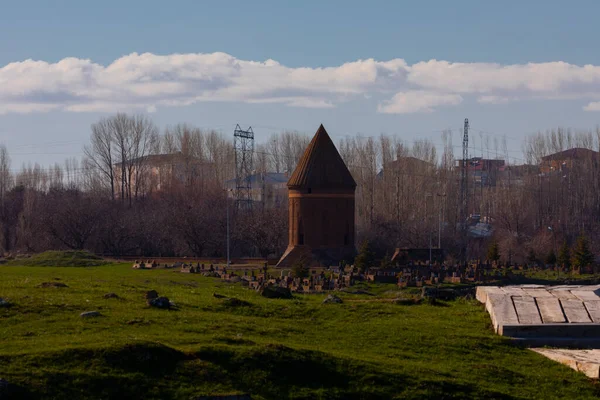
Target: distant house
x=483, y=171
x=479, y=227
x=566, y=160
x=268, y=188
x=406, y=165
x=156, y=172
x=516, y=175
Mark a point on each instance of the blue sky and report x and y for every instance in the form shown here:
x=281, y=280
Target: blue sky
x=45, y=115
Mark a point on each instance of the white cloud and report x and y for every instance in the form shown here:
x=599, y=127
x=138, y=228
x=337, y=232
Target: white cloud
x=418, y=101
x=493, y=99
x=149, y=82
x=593, y=106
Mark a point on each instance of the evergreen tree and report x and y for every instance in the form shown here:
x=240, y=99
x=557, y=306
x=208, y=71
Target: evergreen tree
x=365, y=257
x=582, y=256
x=299, y=270
x=386, y=262
x=551, y=258
x=564, y=255
x=531, y=257
x=493, y=253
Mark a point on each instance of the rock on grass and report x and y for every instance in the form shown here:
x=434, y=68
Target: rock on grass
x=151, y=294
x=276, y=292
x=52, y=285
x=159, y=302
x=332, y=298
x=233, y=302
x=90, y=314
x=407, y=302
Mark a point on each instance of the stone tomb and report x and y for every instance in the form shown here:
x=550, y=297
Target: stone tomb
x=537, y=312
x=558, y=316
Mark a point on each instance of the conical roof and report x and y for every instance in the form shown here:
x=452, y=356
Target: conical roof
x=321, y=166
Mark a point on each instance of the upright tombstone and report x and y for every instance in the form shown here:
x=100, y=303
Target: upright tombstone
x=321, y=207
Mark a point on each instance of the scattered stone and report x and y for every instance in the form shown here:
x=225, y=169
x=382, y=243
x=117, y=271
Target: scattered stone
x=235, y=279
x=446, y=294
x=407, y=302
x=4, y=303
x=52, y=285
x=332, y=298
x=110, y=296
x=276, y=292
x=160, y=302
x=233, y=302
x=359, y=292
x=138, y=321
x=429, y=292
x=89, y=314
x=219, y=296
x=224, y=397
x=151, y=294
x=438, y=294
x=211, y=275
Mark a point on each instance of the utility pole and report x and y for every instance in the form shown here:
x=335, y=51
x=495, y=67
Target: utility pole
x=243, y=144
x=429, y=208
x=551, y=229
x=441, y=219
x=464, y=191
x=227, y=206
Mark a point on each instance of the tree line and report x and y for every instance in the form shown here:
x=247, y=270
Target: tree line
x=408, y=195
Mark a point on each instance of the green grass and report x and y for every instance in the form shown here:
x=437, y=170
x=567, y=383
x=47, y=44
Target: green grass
x=74, y=258
x=366, y=348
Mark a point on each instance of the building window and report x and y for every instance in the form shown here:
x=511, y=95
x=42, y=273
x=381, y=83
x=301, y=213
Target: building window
x=309, y=190
x=301, y=239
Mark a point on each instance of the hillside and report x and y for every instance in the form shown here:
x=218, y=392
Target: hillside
x=366, y=348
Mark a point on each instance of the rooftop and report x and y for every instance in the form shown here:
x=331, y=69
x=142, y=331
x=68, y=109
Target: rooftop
x=321, y=166
x=574, y=153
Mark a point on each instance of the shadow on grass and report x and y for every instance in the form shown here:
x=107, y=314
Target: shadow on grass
x=278, y=372
x=155, y=371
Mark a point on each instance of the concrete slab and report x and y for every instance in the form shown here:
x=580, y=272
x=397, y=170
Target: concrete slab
x=563, y=294
x=586, y=361
x=514, y=291
x=536, y=313
x=575, y=311
x=585, y=295
x=482, y=291
x=501, y=309
x=593, y=309
x=537, y=293
x=550, y=310
x=527, y=310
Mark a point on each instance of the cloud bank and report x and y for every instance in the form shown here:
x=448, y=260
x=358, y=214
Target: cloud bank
x=148, y=82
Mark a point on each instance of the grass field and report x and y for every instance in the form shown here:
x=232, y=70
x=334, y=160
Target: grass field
x=365, y=348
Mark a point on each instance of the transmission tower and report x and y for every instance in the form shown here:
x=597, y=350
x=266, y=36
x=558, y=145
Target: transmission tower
x=464, y=189
x=243, y=144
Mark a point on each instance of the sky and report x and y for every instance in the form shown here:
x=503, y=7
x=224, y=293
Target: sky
x=405, y=68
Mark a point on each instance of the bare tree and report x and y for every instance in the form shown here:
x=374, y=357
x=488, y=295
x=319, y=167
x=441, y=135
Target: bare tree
x=6, y=183
x=99, y=153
